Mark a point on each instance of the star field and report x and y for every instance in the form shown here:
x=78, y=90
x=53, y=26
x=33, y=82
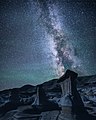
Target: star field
x=40, y=39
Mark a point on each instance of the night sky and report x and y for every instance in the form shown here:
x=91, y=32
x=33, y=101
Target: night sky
x=40, y=39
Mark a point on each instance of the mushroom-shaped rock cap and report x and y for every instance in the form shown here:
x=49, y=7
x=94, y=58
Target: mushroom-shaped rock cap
x=68, y=73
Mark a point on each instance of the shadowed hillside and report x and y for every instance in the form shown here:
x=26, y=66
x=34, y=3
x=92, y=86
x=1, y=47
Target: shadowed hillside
x=16, y=102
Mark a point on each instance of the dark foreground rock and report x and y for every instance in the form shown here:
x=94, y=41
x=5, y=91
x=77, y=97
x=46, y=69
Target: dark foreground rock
x=16, y=103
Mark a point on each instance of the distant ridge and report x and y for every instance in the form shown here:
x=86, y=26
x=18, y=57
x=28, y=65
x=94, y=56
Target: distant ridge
x=81, y=80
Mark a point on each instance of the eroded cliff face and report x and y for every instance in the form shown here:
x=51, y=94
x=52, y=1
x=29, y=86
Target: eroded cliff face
x=86, y=86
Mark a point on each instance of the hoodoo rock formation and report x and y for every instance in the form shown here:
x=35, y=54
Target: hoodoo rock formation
x=71, y=102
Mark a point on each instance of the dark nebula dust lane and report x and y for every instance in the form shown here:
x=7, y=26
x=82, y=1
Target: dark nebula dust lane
x=40, y=39
x=65, y=52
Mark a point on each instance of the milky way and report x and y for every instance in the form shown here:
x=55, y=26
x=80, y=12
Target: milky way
x=62, y=48
x=40, y=39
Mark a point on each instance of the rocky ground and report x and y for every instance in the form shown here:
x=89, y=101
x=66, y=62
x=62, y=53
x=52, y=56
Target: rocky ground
x=18, y=105
x=21, y=114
